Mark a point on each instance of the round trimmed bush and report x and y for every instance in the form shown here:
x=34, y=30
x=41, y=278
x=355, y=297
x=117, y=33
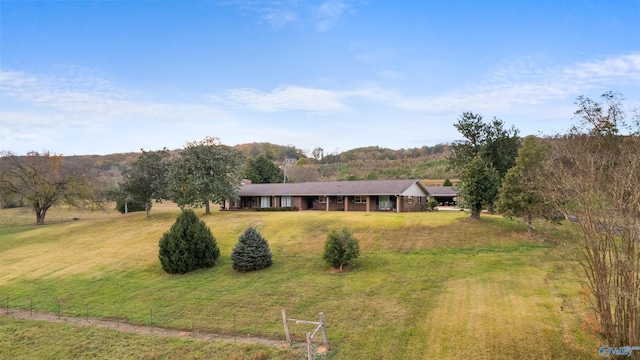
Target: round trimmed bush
x=341, y=248
x=251, y=252
x=188, y=245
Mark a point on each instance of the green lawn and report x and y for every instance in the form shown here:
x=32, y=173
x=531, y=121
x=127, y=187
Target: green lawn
x=427, y=285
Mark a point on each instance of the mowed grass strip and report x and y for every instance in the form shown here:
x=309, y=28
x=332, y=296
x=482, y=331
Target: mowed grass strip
x=412, y=268
x=25, y=339
x=506, y=315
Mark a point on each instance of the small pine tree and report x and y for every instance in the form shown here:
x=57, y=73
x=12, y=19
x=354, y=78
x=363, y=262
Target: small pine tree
x=341, y=248
x=447, y=182
x=188, y=245
x=251, y=252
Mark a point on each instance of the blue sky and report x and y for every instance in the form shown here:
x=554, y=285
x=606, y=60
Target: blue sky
x=100, y=77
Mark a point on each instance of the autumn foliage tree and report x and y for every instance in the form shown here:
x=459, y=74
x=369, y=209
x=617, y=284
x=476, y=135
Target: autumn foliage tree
x=593, y=175
x=45, y=179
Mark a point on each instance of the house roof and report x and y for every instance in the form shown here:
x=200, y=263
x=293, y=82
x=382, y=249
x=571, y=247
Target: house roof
x=441, y=191
x=332, y=188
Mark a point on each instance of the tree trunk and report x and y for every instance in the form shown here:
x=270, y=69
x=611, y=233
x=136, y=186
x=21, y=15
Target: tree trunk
x=475, y=214
x=529, y=225
x=147, y=208
x=40, y=214
x=207, y=209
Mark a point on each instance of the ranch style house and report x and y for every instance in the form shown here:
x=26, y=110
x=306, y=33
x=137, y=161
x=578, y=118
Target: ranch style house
x=379, y=195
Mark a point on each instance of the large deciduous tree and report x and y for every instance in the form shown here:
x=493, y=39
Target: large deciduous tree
x=205, y=172
x=45, y=179
x=479, y=183
x=263, y=170
x=146, y=179
x=593, y=175
x=520, y=194
x=496, y=146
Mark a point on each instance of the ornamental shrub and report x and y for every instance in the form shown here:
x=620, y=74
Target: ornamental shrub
x=341, y=248
x=188, y=245
x=251, y=252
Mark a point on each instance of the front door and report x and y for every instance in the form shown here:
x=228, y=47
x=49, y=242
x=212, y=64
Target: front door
x=384, y=202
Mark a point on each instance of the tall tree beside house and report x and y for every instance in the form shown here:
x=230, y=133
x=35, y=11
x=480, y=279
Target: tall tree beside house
x=45, y=179
x=491, y=142
x=479, y=184
x=593, y=174
x=205, y=172
x=520, y=195
x=263, y=170
x=251, y=252
x=146, y=179
x=188, y=245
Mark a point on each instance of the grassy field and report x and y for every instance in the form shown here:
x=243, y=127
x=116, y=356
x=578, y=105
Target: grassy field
x=427, y=285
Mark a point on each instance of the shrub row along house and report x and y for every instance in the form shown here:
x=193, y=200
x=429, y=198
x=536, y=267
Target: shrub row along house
x=382, y=195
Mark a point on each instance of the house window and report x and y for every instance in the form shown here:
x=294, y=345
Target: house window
x=265, y=201
x=321, y=199
x=410, y=199
x=286, y=201
x=419, y=200
x=339, y=199
x=360, y=199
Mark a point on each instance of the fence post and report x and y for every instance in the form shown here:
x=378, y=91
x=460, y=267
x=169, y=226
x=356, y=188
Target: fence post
x=286, y=327
x=309, y=347
x=325, y=336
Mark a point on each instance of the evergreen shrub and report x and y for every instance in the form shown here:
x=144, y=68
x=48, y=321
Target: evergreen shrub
x=340, y=248
x=188, y=245
x=251, y=252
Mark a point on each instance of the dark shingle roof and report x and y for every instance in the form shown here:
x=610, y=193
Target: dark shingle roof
x=331, y=188
x=441, y=191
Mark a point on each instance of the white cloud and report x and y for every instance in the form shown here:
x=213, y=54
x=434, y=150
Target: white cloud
x=508, y=87
x=76, y=97
x=279, y=17
x=328, y=14
x=289, y=97
x=529, y=85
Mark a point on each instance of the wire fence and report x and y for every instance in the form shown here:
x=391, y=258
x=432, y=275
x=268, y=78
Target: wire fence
x=227, y=323
x=196, y=322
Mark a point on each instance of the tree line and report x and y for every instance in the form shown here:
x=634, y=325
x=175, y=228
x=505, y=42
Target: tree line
x=589, y=175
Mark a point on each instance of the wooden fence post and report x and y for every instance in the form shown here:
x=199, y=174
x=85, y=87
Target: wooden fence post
x=325, y=336
x=309, y=347
x=286, y=327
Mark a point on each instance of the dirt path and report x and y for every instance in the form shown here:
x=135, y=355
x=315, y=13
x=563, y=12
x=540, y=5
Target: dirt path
x=139, y=329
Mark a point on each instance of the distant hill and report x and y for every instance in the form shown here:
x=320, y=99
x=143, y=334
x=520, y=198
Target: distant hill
x=365, y=163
